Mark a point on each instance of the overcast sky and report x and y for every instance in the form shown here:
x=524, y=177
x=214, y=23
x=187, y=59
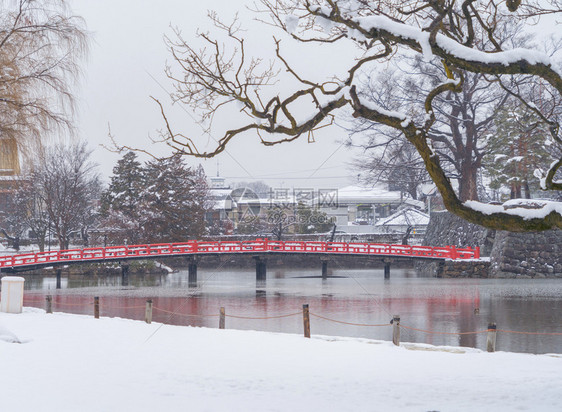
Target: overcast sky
x=126, y=65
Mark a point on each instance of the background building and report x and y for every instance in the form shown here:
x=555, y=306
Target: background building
x=363, y=206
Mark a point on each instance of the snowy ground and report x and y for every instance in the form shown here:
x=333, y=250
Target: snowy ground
x=78, y=363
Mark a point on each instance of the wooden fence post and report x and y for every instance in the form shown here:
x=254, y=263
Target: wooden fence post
x=96, y=307
x=49, y=303
x=396, y=330
x=222, y=320
x=148, y=311
x=491, y=339
x=306, y=320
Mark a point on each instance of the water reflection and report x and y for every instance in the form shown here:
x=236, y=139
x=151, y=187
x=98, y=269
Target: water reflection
x=353, y=296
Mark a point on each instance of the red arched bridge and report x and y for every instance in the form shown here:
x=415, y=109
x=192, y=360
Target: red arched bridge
x=258, y=249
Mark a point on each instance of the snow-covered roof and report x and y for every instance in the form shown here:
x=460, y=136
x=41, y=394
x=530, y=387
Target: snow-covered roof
x=378, y=194
x=264, y=203
x=405, y=217
x=220, y=193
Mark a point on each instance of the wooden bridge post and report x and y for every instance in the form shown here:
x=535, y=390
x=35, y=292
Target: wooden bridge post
x=396, y=330
x=192, y=272
x=148, y=311
x=387, y=263
x=491, y=338
x=324, y=269
x=261, y=268
x=59, y=273
x=124, y=274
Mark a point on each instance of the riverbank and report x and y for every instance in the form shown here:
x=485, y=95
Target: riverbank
x=72, y=362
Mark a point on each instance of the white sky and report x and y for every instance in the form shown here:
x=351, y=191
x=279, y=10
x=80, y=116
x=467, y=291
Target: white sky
x=126, y=65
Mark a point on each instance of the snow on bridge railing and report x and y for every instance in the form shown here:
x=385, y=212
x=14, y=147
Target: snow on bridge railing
x=253, y=246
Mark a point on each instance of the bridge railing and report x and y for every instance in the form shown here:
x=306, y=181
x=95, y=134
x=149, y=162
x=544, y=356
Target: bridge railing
x=253, y=246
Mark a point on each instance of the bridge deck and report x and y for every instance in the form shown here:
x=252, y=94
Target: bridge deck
x=31, y=261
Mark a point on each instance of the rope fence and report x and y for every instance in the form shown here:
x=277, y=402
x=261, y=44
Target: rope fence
x=346, y=323
x=443, y=333
x=530, y=333
x=70, y=304
x=491, y=331
x=184, y=314
x=263, y=317
x=127, y=307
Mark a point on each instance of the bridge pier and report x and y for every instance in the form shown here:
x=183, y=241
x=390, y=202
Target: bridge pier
x=387, y=263
x=261, y=268
x=192, y=272
x=324, y=268
x=124, y=275
x=59, y=273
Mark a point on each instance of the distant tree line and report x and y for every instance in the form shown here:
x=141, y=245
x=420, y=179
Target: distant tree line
x=61, y=196
x=57, y=196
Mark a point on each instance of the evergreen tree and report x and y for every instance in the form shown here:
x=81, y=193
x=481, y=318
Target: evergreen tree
x=253, y=225
x=312, y=220
x=126, y=186
x=516, y=151
x=121, y=202
x=174, y=201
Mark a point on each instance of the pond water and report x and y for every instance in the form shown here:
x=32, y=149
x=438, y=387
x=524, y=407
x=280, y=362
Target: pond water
x=355, y=296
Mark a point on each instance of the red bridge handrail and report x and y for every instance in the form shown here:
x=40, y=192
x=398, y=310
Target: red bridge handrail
x=251, y=246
